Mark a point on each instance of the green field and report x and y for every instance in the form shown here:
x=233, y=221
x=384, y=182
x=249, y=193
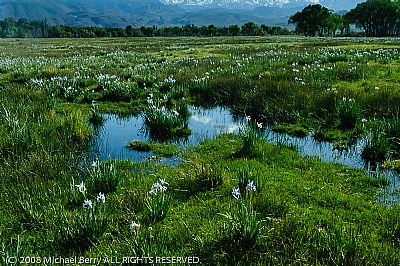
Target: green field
x=234, y=200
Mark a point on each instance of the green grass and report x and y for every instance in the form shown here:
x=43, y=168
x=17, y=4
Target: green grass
x=160, y=149
x=164, y=125
x=297, y=130
x=303, y=211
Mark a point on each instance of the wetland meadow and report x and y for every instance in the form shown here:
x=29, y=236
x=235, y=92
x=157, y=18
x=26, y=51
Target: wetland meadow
x=188, y=150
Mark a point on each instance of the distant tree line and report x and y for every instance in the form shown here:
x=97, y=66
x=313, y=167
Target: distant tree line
x=23, y=28
x=377, y=18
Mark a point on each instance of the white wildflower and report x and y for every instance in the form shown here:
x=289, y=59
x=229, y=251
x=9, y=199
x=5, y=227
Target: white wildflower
x=101, y=198
x=81, y=187
x=163, y=182
x=251, y=186
x=87, y=204
x=236, y=193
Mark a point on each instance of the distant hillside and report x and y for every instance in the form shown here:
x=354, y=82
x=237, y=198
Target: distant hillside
x=250, y=4
x=221, y=17
x=116, y=13
x=121, y=13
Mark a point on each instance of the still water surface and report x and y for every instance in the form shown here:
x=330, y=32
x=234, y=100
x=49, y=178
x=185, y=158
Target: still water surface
x=116, y=133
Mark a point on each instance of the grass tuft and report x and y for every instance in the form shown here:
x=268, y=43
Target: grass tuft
x=160, y=149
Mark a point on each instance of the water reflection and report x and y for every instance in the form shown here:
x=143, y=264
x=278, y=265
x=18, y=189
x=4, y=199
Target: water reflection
x=117, y=132
x=207, y=124
x=324, y=150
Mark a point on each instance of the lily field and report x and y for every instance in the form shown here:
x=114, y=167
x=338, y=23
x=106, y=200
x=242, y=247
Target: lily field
x=237, y=199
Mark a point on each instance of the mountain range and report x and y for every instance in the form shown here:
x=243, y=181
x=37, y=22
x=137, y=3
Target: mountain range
x=121, y=13
x=246, y=4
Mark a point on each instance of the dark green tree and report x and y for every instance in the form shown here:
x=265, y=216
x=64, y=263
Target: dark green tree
x=233, y=30
x=264, y=29
x=147, y=31
x=129, y=31
x=251, y=29
x=332, y=24
x=8, y=26
x=377, y=18
x=44, y=28
x=211, y=31
x=311, y=20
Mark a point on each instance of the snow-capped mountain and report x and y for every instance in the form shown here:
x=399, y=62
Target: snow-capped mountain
x=332, y=4
x=232, y=3
x=120, y=13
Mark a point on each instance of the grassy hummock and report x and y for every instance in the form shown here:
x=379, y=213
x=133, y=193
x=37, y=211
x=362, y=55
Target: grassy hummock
x=160, y=149
x=296, y=130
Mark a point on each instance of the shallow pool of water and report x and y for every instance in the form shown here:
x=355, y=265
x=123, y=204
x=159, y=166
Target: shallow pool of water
x=112, y=138
x=324, y=150
x=116, y=133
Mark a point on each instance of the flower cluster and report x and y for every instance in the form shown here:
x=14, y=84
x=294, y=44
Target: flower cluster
x=87, y=203
x=349, y=99
x=101, y=198
x=250, y=187
x=157, y=201
x=159, y=186
x=169, y=80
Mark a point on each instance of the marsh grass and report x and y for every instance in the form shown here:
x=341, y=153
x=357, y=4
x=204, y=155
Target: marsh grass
x=393, y=132
x=95, y=118
x=163, y=124
x=208, y=177
x=251, y=134
x=158, y=201
x=391, y=229
x=160, y=149
x=245, y=225
x=303, y=212
x=297, y=130
x=146, y=242
x=120, y=92
x=12, y=249
x=102, y=177
x=200, y=177
x=84, y=228
x=246, y=176
x=382, y=141
x=378, y=145
x=138, y=145
x=23, y=136
x=348, y=113
x=350, y=72
x=33, y=215
x=334, y=245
